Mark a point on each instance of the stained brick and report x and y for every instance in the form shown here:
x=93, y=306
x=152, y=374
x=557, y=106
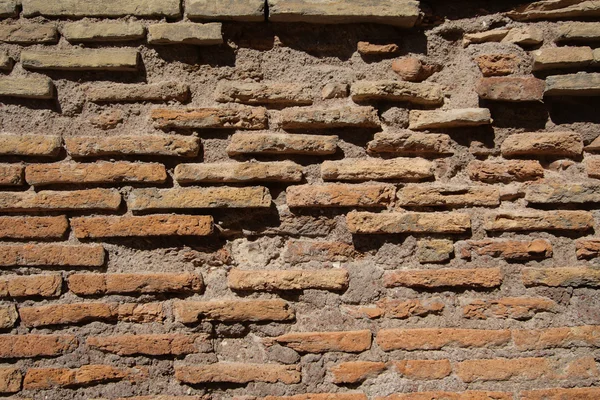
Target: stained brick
x=152, y=145
x=497, y=64
x=237, y=10
x=567, y=144
x=58, y=255
x=407, y=222
x=426, y=93
x=423, y=369
x=185, y=33
x=280, y=143
x=511, y=89
x=275, y=280
x=449, y=196
x=11, y=174
x=148, y=225
x=151, y=345
x=507, y=249
x=81, y=59
x=411, y=143
x=96, y=284
x=10, y=380
x=322, y=342
x=92, y=199
x=579, y=32
x=299, y=251
x=243, y=172
x=561, y=394
x=434, y=251
x=103, y=31
x=28, y=34
x=443, y=119
x=340, y=195
x=520, y=308
x=539, y=221
x=189, y=312
x=565, y=277
x=125, y=92
x=267, y=93
x=436, y=339
x=592, y=167
x=478, y=278
x=587, y=248
x=562, y=193
x=356, y=371
x=505, y=171
x=108, y=8
x=211, y=118
x=568, y=337
x=192, y=198
x=33, y=346
x=8, y=316
x=29, y=87
x=238, y=373
x=359, y=169
x=318, y=118
x=562, y=57
x=29, y=145
x=580, y=84
x=88, y=375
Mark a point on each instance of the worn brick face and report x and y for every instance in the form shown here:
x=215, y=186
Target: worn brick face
x=32, y=346
x=147, y=145
x=150, y=225
x=33, y=227
x=191, y=198
x=89, y=375
x=403, y=169
x=49, y=200
x=189, y=312
x=10, y=380
x=340, y=195
x=440, y=278
x=322, y=342
x=238, y=373
x=435, y=339
x=407, y=222
x=211, y=118
x=56, y=255
x=277, y=143
x=274, y=280
x=95, y=284
x=153, y=345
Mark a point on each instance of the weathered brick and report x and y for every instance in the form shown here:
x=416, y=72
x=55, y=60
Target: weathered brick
x=152, y=145
x=185, y=33
x=97, y=284
x=267, y=93
x=103, y=31
x=562, y=193
x=151, y=345
x=300, y=251
x=468, y=395
x=33, y=346
x=449, y=196
x=515, y=89
x=320, y=396
x=411, y=143
x=46, y=200
x=125, y=92
x=594, y=147
x=11, y=174
x=426, y=93
x=561, y=394
x=402, y=309
x=497, y=64
x=6, y=62
x=366, y=169
x=423, y=369
x=592, y=167
x=140, y=312
x=372, y=49
x=525, y=36
x=108, y=8
x=587, y=248
x=403, y=14
x=565, y=277
x=275, y=280
x=434, y=251
x=436, y=339
x=340, y=195
x=8, y=316
x=505, y=171
x=59, y=255
x=539, y=221
x=236, y=10
x=100, y=172
x=192, y=198
x=552, y=10
x=8, y=8
x=10, y=380
x=237, y=373
x=362, y=312
x=443, y=119
x=568, y=337
x=581, y=84
x=29, y=87
x=318, y=118
x=512, y=250
x=494, y=35
x=148, y=225
x=88, y=375
x=562, y=57
x=407, y=222
x=477, y=278
x=159, y=397
x=30, y=286
x=189, y=312
x=414, y=69
x=520, y=308
x=81, y=59
x=28, y=34
x=243, y=172
x=323, y=342
x=579, y=32
x=211, y=118
x=356, y=371
x=568, y=144
x=29, y=145
x=281, y=143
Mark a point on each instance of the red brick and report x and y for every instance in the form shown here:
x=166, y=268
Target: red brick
x=513, y=89
x=211, y=118
x=323, y=342
x=51, y=255
x=274, y=280
x=497, y=64
x=147, y=225
x=48, y=200
x=33, y=227
x=423, y=369
x=29, y=145
x=89, y=375
x=152, y=345
x=340, y=195
x=561, y=394
x=96, y=284
x=436, y=339
x=10, y=380
x=30, y=286
x=442, y=278
x=567, y=337
x=508, y=307
x=356, y=371
x=561, y=277
x=407, y=222
x=238, y=373
x=11, y=175
x=189, y=312
x=33, y=346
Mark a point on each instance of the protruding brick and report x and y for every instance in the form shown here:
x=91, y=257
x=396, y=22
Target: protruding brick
x=151, y=345
x=147, y=225
x=436, y=339
x=551, y=10
x=8, y=316
x=30, y=286
x=448, y=196
x=236, y=10
x=193, y=198
x=497, y=64
x=426, y=93
x=520, y=308
x=92, y=199
x=275, y=280
x=323, y=342
x=423, y=369
x=514, y=89
x=436, y=119
x=11, y=174
x=512, y=250
x=318, y=118
x=109, y=8
x=539, y=221
x=103, y=31
x=29, y=145
x=244, y=172
x=189, y=312
x=238, y=373
x=142, y=145
x=29, y=87
x=88, y=375
x=477, y=278
x=505, y=171
x=366, y=169
x=185, y=33
x=120, y=172
x=562, y=57
x=33, y=346
x=568, y=337
x=568, y=144
x=211, y=118
x=579, y=32
x=561, y=394
x=10, y=380
x=407, y=222
x=587, y=248
x=340, y=195
x=281, y=143
x=581, y=84
x=58, y=255
x=125, y=92
x=561, y=277
x=494, y=35
x=98, y=284
x=33, y=227
x=28, y=34
x=299, y=251
x=81, y=59
x=267, y=93
x=356, y=371
x=411, y=143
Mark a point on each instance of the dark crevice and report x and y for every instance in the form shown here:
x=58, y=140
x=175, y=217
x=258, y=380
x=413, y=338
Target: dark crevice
x=266, y=10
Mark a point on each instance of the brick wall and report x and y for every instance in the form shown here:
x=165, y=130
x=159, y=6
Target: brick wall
x=299, y=199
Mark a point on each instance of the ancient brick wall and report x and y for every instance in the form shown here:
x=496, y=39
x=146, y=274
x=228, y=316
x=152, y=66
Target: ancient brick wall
x=299, y=199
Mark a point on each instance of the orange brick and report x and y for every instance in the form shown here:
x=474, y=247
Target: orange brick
x=408, y=308
x=194, y=198
x=273, y=280
x=211, y=118
x=507, y=249
x=441, y=278
x=153, y=345
x=8, y=316
x=238, y=373
x=468, y=395
x=189, y=312
x=96, y=284
x=33, y=227
x=448, y=196
x=322, y=342
x=423, y=369
x=48, y=200
x=561, y=277
x=373, y=169
x=508, y=307
x=147, y=225
x=340, y=195
x=89, y=375
x=33, y=346
x=51, y=255
x=242, y=172
x=587, y=248
x=505, y=171
x=576, y=336
x=10, y=380
x=11, y=175
x=566, y=144
x=300, y=251
x=435, y=339
x=407, y=222
x=356, y=371
x=29, y=145
x=30, y=286
x=561, y=394
x=152, y=145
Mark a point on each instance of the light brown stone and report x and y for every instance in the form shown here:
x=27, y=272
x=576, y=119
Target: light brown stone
x=198, y=198
x=154, y=145
x=91, y=199
x=264, y=93
x=10, y=380
x=552, y=9
x=340, y=195
x=443, y=119
x=11, y=174
x=147, y=225
x=478, y=278
x=81, y=59
x=539, y=221
x=526, y=36
x=567, y=144
x=331, y=118
x=323, y=342
x=236, y=10
x=126, y=92
x=426, y=93
x=587, y=248
x=495, y=35
x=108, y=8
x=436, y=339
x=448, y=196
x=434, y=251
x=562, y=57
x=285, y=171
x=579, y=32
x=561, y=277
x=520, y=308
x=580, y=84
x=29, y=145
x=366, y=169
x=371, y=49
x=274, y=280
x=554, y=192
x=281, y=143
x=515, y=89
x=185, y=33
x=211, y=118
x=568, y=337
x=189, y=312
x=411, y=143
x=30, y=87
x=407, y=222
x=28, y=34
x=103, y=31
x=8, y=317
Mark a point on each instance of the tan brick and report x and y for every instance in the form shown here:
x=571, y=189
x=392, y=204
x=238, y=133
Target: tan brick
x=561, y=394
x=88, y=375
x=125, y=92
x=275, y=280
x=366, y=169
x=323, y=342
x=193, y=198
x=81, y=59
x=103, y=31
x=11, y=174
x=29, y=145
x=108, y=8
x=340, y=195
x=335, y=90
x=281, y=143
x=505, y=171
x=539, y=221
x=426, y=93
x=371, y=49
x=30, y=286
x=33, y=346
x=468, y=395
x=10, y=380
x=494, y=35
x=554, y=192
x=33, y=227
x=579, y=32
x=507, y=249
x=568, y=337
x=58, y=255
x=47, y=200
x=540, y=10
x=97, y=284
x=434, y=251
x=243, y=172
x=526, y=36
x=153, y=145
x=8, y=316
x=189, y=312
x=268, y=93
x=211, y=118
x=237, y=373
x=151, y=345
x=101, y=172
x=436, y=339
x=159, y=397
x=562, y=57
x=300, y=251
x=567, y=144
x=146, y=225
x=520, y=308
x=356, y=371
x=443, y=119
x=28, y=34
x=592, y=167
x=423, y=369
x=497, y=64
x=580, y=84
x=411, y=143
x=408, y=308
x=449, y=196
x=237, y=10
x=477, y=278
x=8, y=8
x=407, y=222
x=587, y=248
x=561, y=277
x=319, y=118
x=28, y=87
x=513, y=89
x=185, y=33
